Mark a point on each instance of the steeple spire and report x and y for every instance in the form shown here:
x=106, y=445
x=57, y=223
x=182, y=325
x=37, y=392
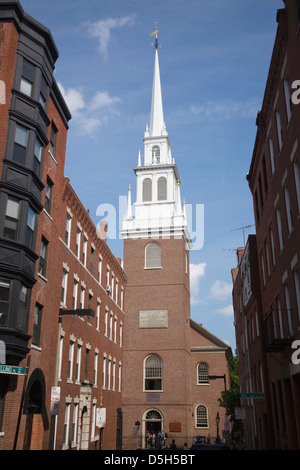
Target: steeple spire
x=157, y=116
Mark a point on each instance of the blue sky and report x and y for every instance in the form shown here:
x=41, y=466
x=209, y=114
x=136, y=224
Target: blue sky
x=214, y=61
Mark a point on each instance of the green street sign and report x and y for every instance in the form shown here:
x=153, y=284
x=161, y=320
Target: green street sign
x=252, y=395
x=14, y=370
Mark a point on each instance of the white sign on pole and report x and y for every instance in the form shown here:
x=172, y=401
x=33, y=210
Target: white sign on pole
x=55, y=393
x=240, y=413
x=101, y=417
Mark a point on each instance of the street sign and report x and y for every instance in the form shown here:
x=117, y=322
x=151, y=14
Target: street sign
x=54, y=408
x=14, y=370
x=55, y=393
x=101, y=417
x=240, y=413
x=252, y=395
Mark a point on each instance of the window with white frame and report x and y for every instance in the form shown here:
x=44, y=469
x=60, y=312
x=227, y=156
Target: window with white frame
x=114, y=374
x=71, y=358
x=272, y=244
x=60, y=354
x=120, y=377
x=111, y=325
x=117, y=291
x=147, y=190
x=96, y=368
x=201, y=416
x=202, y=373
x=27, y=78
x=66, y=424
x=84, y=250
x=267, y=257
x=93, y=423
x=75, y=423
x=262, y=263
x=82, y=295
x=279, y=228
x=272, y=156
x=279, y=315
x=288, y=208
x=78, y=240
x=122, y=298
x=64, y=285
x=279, y=128
x=100, y=270
x=288, y=307
x=287, y=96
x=104, y=371
x=109, y=373
x=121, y=334
x=78, y=362
x=162, y=189
x=115, y=329
x=153, y=255
x=98, y=315
x=68, y=229
x=153, y=373
x=75, y=294
x=106, y=322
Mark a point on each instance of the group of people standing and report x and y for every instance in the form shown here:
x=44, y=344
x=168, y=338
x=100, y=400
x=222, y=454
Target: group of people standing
x=156, y=440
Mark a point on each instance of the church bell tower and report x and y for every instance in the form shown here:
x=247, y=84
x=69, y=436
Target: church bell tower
x=156, y=353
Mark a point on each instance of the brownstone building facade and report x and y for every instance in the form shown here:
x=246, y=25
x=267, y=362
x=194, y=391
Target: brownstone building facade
x=168, y=358
x=53, y=261
x=274, y=181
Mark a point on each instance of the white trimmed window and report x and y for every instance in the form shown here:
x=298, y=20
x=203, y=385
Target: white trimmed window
x=202, y=373
x=153, y=255
x=201, y=416
x=147, y=190
x=162, y=189
x=153, y=372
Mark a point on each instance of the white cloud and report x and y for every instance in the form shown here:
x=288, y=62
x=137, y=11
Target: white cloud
x=85, y=113
x=102, y=30
x=225, y=311
x=197, y=271
x=73, y=98
x=223, y=110
x=221, y=290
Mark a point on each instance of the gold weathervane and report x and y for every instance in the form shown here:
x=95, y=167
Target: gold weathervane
x=155, y=34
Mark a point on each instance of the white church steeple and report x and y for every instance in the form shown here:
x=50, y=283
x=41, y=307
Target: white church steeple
x=158, y=208
x=157, y=123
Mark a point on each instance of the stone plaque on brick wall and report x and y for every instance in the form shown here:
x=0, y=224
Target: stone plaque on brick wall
x=153, y=319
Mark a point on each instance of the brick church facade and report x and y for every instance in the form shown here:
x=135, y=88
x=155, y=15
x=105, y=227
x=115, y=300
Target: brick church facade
x=168, y=358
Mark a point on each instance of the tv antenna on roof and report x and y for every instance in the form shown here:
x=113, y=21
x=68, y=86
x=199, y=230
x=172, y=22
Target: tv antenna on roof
x=243, y=228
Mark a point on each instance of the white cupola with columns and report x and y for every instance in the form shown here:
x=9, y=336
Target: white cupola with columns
x=158, y=210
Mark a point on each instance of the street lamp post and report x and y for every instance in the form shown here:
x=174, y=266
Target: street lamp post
x=82, y=313
x=218, y=422
x=213, y=377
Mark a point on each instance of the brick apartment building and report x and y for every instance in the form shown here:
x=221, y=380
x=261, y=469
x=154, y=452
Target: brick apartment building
x=251, y=359
x=52, y=259
x=274, y=181
x=168, y=358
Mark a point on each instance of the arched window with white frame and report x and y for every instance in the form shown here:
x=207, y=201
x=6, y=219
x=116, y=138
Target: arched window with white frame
x=201, y=416
x=153, y=373
x=162, y=189
x=153, y=255
x=147, y=190
x=155, y=154
x=202, y=373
